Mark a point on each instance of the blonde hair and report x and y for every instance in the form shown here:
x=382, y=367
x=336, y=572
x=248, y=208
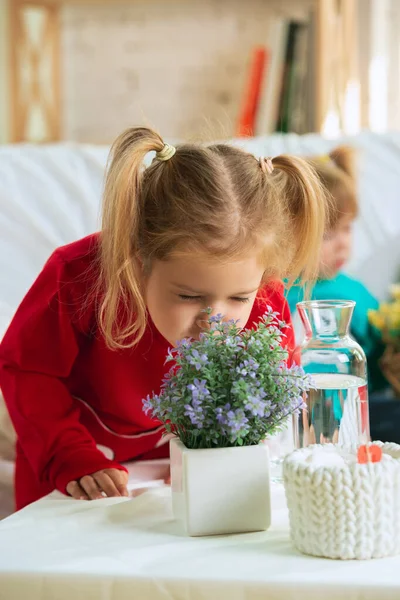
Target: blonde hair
x=337, y=173
x=214, y=200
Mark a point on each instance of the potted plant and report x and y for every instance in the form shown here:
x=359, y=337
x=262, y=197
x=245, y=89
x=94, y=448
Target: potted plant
x=225, y=393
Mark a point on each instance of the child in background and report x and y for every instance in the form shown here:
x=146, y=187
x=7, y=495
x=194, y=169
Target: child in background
x=337, y=173
x=200, y=227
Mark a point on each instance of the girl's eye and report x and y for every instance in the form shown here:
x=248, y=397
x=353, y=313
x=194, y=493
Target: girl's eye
x=189, y=298
x=198, y=298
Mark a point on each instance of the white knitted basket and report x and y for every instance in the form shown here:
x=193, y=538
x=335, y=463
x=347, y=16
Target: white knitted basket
x=348, y=511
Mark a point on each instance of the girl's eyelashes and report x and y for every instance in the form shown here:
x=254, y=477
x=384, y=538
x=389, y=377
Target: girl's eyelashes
x=189, y=298
x=186, y=298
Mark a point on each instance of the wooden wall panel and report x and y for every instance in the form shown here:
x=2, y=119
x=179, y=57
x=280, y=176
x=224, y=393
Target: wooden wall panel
x=35, y=71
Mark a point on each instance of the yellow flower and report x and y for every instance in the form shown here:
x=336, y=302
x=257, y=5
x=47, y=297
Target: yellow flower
x=376, y=319
x=387, y=318
x=393, y=321
x=395, y=291
x=385, y=308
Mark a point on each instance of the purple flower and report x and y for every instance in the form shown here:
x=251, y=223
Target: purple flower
x=296, y=405
x=232, y=322
x=197, y=359
x=195, y=414
x=248, y=367
x=236, y=422
x=171, y=354
x=267, y=409
x=254, y=344
x=184, y=344
x=147, y=405
x=167, y=379
x=198, y=388
x=256, y=404
x=232, y=342
x=194, y=409
x=221, y=413
x=152, y=405
x=220, y=416
x=216, y=318
x=271, y=313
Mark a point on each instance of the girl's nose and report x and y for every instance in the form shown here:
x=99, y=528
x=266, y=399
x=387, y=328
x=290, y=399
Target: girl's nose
x=202, y=323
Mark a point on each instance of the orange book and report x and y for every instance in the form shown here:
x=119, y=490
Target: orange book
x=252, y=93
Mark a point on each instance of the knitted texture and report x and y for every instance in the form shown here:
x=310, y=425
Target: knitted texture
x=346, y=512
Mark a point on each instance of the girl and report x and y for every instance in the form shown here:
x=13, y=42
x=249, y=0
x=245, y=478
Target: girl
x=200, y=227
x=337, y=173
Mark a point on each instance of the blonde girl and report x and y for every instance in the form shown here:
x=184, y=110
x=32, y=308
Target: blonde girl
x=200, y=227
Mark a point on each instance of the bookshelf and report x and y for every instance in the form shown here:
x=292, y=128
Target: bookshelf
x=38, y=76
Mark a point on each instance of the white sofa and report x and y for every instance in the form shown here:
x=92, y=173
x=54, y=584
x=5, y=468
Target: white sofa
x=50, y=195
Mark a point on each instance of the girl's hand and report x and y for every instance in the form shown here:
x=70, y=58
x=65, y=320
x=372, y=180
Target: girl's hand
x=108, y=482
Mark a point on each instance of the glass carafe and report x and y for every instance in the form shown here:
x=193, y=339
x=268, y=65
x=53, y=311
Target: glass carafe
x=337, y=409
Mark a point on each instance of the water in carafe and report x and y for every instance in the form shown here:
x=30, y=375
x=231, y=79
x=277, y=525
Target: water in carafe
x=337, y=409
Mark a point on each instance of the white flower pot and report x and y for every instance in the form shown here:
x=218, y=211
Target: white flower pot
x=345, y=511
x=220, y=490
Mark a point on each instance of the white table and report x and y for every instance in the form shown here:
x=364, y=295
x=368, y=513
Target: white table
x=118, y=549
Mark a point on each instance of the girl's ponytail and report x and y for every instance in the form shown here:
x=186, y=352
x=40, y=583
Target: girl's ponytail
x=343, y=158
x=121, y=273
x=307, y=205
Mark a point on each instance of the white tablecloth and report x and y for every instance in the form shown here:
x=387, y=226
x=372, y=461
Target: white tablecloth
x=118, y=549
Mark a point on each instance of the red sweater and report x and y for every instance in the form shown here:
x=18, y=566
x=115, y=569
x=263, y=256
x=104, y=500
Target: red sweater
x=67, y=393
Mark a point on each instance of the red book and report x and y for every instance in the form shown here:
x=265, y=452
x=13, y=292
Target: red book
x=252, y=93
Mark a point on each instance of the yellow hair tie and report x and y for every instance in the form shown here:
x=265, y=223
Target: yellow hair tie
x=266, y=165
x=166, y=153
x=324, y=158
